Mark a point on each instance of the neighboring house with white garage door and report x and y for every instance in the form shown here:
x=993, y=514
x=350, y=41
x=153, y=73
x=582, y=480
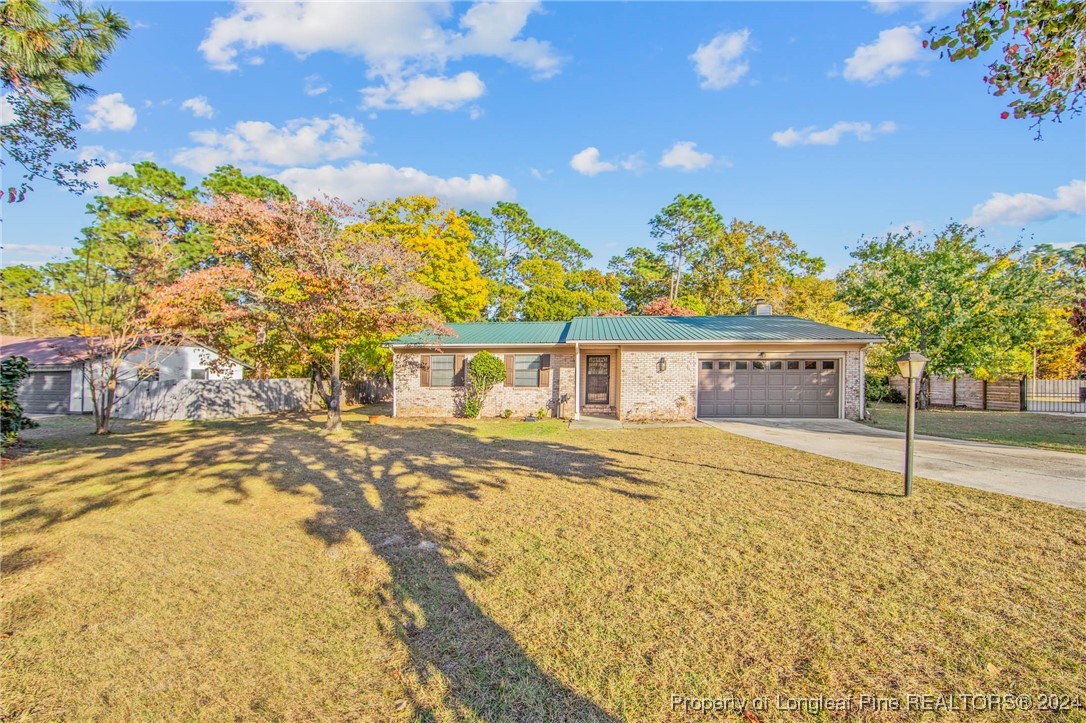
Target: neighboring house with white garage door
x=59, y=384
x=642, y=367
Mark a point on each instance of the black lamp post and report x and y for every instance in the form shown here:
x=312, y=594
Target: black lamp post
x=911, y=365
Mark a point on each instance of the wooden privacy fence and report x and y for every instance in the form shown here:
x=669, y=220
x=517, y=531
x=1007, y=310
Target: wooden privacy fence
x=1002, y=395
x=368, y=391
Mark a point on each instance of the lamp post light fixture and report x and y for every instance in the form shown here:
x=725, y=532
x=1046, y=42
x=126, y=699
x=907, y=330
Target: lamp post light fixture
x=661, y=366
x=911, y=365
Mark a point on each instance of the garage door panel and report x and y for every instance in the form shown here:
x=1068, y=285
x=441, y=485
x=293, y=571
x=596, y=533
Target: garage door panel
x=788, y=388
x=46, y=392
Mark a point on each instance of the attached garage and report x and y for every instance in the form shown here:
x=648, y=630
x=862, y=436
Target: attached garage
x=769, y=388
x=46, y=392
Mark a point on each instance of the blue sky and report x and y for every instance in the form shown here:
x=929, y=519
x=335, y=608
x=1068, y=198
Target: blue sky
x=825, y=120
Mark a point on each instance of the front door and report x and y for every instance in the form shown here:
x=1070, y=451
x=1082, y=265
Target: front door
x=597, y=379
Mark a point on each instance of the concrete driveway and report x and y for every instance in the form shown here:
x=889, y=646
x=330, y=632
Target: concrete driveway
x=1034, y=474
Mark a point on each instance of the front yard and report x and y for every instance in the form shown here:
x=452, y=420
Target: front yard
x=1023, y=429
x=502, y=570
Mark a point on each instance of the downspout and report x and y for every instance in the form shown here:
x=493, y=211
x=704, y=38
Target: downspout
x=576, y=380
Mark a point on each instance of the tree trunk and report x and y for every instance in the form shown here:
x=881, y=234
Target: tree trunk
x=335, y=397
x=104, y=410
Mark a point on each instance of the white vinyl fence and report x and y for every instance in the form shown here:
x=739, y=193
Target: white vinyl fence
x=212, y=399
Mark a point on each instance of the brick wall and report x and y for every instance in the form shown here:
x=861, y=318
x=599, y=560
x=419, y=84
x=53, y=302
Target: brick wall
x=854, y=384
x=648, y=393
x=414, y=400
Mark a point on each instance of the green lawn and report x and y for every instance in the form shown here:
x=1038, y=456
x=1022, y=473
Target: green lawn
x=494, y=570
x=1022, y=429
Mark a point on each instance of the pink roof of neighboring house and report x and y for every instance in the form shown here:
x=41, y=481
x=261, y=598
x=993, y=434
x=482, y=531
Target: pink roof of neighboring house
x=45, y=351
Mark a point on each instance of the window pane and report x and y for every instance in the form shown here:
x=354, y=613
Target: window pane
x=810, y=365
x=793, y=365
x=740, y=365
x=526, y=370
x=441, y=370
x=759, y=365
x=193, y=374
x=774, y=365
x=706, y=365
x=724, y=365
x=827, y=365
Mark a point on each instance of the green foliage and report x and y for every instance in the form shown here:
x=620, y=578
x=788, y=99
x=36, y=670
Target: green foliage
x=225, y=180
x=507, y=414
x=13, y=371
x=148, y=210
x=966, y=307
x=541, y=413
x=31, y=304
x=43, y=57
x=485, y=371
x=553, y=293
x=1043, y=60
x=643, y=276
x=877, y=389
x=503, y=241
x=684, y=228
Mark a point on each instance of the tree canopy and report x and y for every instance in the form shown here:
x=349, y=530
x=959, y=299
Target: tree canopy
x=1042, y=62
x=43, y=60
x=968, y=308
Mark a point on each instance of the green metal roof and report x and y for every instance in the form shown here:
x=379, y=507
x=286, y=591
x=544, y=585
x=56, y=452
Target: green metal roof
x=708, y=328
x=636, y=329
x=484, y=333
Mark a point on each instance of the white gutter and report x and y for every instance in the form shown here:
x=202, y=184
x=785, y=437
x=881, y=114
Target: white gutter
x=577, y=380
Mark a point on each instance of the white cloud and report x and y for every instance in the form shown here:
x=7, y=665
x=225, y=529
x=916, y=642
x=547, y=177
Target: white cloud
x=424, y=92
x=683, y=156
x=406, y=45
x=110, y=112
x=199, y=106
x=258, y=144
x=1021, y=208
x=810, y=136
x=885, y=58
x=928, y=9
x=114, y=166
x=315, y=85
x=588, y=163
x=375, y=181
x=7, y=111
x=720, y=62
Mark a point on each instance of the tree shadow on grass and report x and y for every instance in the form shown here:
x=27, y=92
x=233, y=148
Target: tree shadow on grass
x=763, y=475
x=370, y=480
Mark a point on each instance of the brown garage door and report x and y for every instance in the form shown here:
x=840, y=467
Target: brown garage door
x=768, y=388
x=45, y=392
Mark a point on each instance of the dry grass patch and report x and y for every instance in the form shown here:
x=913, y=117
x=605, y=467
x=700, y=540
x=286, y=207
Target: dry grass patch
x=500, y=570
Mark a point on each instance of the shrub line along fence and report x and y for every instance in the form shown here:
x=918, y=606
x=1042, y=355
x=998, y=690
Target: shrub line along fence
x=1003, y=395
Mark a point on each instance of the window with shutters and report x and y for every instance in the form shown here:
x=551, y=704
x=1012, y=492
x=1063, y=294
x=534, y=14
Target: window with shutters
x=442, y=370
x=526, y=370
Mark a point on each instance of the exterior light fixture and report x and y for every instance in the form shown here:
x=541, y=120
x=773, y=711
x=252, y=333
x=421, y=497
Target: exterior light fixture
x=911, y=365
x=661, y=366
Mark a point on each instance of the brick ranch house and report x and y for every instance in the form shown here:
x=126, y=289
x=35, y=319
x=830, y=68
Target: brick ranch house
x=642, y=367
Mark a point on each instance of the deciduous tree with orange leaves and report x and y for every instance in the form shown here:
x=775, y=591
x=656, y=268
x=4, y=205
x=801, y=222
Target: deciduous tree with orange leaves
x=286, y=268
